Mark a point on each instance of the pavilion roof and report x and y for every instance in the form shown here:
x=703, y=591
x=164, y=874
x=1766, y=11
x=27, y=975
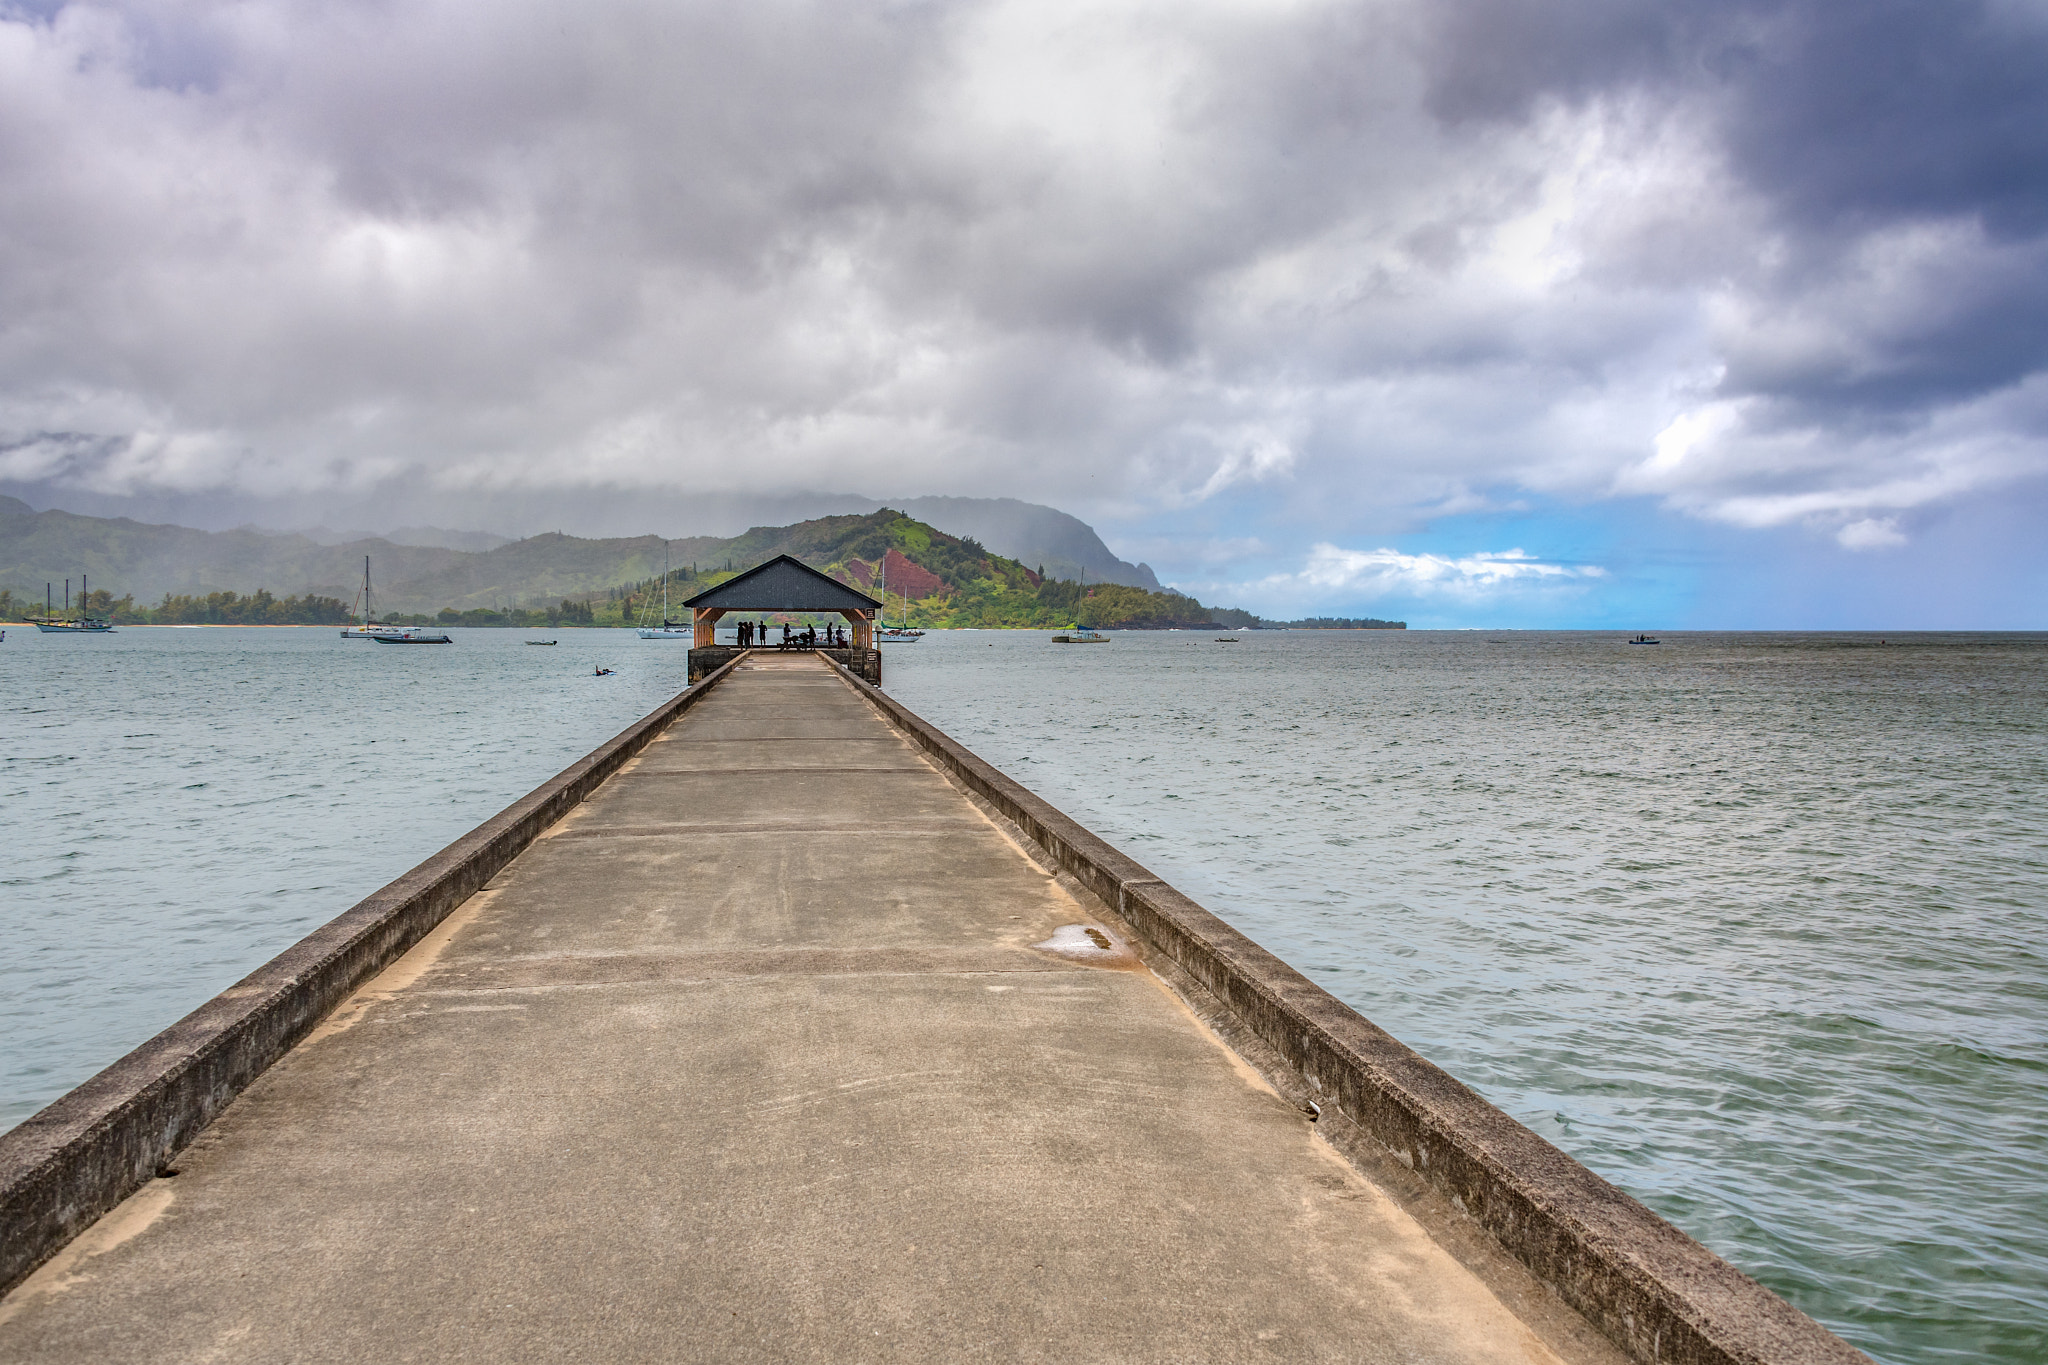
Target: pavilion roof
x=784, y=583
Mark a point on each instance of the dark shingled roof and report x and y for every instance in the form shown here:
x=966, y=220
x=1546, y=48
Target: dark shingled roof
x=783, y=584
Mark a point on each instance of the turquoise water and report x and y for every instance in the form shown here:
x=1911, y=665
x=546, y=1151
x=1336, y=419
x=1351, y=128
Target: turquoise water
x=1750, y=924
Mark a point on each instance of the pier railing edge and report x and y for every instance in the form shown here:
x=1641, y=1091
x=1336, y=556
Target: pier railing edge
x=64, y=1167
x=1657, y=1293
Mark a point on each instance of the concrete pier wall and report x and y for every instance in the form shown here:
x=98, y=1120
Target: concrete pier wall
x=1654, y=1291
x=67, y=1165
x=786, y=1002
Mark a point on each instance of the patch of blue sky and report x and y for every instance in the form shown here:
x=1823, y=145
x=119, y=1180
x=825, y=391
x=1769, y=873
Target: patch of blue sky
x=1626, y=564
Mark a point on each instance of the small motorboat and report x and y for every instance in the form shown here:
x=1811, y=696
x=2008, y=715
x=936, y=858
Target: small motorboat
x=409, y=635
x=603, y=672
x=1646, y=640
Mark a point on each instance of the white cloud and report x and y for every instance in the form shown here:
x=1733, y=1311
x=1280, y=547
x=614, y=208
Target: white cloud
x=1871, y=533
x=1750, y=463
x=1119, y=254
x=1368, y=574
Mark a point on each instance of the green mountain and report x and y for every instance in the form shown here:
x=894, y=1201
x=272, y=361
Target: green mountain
x=1046, y=538
x=942, y=579
x=932, y=578
x=134, y=559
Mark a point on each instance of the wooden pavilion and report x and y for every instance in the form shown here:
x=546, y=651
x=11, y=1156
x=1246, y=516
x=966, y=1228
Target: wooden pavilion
x=784, y=584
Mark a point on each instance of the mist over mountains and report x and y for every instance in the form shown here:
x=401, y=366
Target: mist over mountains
x=420, y=569
x=1046, y=538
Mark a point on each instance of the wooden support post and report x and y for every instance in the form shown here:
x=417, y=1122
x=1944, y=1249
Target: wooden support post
x=705, y=621
x=863, y=628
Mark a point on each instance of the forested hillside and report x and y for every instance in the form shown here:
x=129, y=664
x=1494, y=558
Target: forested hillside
x=932, y=578
x=168, y=574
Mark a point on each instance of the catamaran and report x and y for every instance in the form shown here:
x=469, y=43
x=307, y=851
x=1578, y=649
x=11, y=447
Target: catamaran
x=667, y=630
x=367, y=627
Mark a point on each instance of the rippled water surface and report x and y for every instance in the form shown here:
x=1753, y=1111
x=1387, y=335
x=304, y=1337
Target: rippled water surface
x=178, y=806
x=1750, y=924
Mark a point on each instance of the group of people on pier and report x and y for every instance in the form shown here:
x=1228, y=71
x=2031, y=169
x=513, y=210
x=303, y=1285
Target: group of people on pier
x=754, y=635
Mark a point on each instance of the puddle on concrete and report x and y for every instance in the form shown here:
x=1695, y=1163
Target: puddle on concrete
x=1088, y=943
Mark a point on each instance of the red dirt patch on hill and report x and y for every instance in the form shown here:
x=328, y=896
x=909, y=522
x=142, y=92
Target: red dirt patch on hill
x=908, y=578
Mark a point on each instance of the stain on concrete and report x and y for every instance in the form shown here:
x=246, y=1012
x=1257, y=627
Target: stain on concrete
x=1091, y=944
x=72, y=1266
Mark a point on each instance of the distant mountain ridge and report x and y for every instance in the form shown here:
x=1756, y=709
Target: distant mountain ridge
x=147, y=561
x=1062, y=545
x=422, y=537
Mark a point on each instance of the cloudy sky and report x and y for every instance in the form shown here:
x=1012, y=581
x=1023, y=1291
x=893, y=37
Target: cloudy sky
x=1543, y=312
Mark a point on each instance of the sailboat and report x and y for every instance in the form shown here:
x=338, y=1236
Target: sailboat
x=886, y=634
x=667, y=630
x=80, y=624
x=367, y=627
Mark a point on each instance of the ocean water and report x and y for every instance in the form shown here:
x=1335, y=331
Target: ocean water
x=1751, y=924
x=177, y=806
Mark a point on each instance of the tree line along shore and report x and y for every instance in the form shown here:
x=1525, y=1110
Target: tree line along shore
x=930, y=579
x=262, y=608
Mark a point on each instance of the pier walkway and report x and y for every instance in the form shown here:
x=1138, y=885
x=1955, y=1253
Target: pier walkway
x=752, y=1057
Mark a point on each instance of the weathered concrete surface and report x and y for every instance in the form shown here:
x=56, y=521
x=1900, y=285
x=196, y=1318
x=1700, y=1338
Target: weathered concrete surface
x=745, y=1066
x=862, y=663
x=1653, y=1290
x=72, y=1162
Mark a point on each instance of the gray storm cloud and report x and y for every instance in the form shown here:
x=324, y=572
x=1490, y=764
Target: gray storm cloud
x=1765, y=262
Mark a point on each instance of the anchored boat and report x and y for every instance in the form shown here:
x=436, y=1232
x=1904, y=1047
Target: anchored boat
x=367, y=626
x=667, y=630
x=886, y=634
x=81, y=624
x=1077, y=636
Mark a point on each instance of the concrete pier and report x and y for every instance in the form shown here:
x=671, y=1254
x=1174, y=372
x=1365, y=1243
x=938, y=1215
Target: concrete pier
x=785, y=1044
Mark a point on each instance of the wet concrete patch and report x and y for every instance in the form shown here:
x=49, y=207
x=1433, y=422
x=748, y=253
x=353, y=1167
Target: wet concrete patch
x=1091, y=945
